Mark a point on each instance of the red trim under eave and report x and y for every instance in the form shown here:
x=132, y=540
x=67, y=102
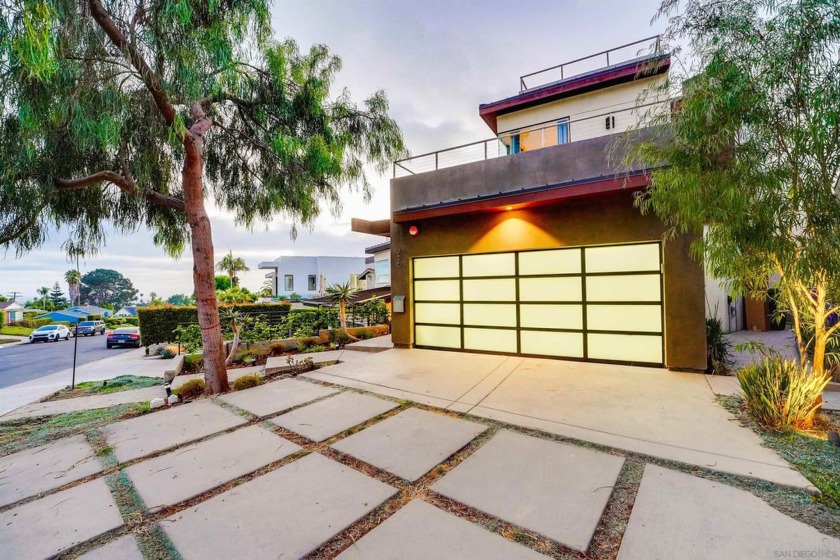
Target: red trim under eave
x=527, y=200
x=490, y=111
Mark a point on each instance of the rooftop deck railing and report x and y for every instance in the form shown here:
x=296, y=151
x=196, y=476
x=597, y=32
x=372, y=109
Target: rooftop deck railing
x=541, y=135
x=643, y=48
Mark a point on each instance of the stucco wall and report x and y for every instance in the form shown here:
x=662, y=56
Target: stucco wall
x=594, y=221
x=335, y=269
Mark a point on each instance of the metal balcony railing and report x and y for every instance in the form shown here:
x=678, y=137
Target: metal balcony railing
x=542, y=135
x=638, y=50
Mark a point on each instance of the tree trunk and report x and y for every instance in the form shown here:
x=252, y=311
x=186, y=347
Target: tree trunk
x=215, y=374
x=233, y=346
x=342, y=315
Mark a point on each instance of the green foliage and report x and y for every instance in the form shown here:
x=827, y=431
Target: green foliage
x=373, y=311
x=15, y=331
x=32, y=323
x=222, y=283
x=57, y=298
x=236, y=295
x=718, y=358
x=192, y=389
x=167, y=353
x=294, y=296
x=180, y=299
x=104, y=286
x=159, y=324
x=340, y=337
x=115, y=385
x=752, y=153
x=3, y=318
x=193, y=363
x=232, y=265
x=313, y=349
x=779, y=394
x=246, y=382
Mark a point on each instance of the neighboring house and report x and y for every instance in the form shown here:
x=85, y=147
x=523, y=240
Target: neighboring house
x=127, y=311
x=64, y=315
x=310, y=276
x=88, y=309
x=530, y=244
x=12, y=311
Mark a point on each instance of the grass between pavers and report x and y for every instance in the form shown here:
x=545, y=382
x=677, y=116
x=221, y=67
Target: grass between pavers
x=15, y=331
x=115, y=385
x=809, y=452
x=24, y=433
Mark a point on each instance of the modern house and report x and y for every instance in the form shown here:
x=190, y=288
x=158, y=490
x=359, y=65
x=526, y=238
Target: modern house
x=529, y=243
x=127, y=311
x=88, y=309
x=310, y=276
x=12, y=311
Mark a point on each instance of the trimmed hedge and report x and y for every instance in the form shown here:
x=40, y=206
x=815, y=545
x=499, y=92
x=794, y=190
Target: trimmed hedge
x=33, y=323
x=158, y=324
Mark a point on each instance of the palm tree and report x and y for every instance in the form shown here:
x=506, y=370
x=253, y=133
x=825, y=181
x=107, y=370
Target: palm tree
x=74, y=285
x=231, y=265
x=340, y=294
x=43, y=291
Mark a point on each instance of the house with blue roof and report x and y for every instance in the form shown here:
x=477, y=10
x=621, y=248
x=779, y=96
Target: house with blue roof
x=65, y=315
x=91, y=310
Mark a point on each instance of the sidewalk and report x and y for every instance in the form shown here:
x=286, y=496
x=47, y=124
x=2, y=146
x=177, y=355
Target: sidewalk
x=129, y=363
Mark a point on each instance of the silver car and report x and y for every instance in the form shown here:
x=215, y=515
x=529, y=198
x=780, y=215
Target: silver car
x=50, y=333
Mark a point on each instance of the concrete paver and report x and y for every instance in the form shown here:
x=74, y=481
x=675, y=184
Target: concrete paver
x=677, y=515
x=555, y=489
x=410, y=443
x=276, y=396
x=47, y=526
x=124, y=548
x=286, y=513
x=189, y=471
x=831, y=400
x=377, y=344
x=324, y=419
x=419, y=531
x=157, y=431
x=63, y=406
x=32, y=471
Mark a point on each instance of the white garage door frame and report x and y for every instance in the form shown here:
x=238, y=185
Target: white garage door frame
x=601, y=303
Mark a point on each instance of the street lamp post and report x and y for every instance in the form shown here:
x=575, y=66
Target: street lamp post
x=75, y=349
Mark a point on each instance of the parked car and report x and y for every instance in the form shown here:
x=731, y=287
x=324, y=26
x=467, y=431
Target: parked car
x=89, y=328
x=49, y=333
x=124, y=336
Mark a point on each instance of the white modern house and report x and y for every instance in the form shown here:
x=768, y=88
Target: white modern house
x=310, y=276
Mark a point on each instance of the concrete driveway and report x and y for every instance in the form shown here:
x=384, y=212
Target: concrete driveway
x=652, y=411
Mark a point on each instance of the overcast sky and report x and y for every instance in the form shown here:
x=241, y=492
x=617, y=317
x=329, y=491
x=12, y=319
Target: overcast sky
x=436, y=60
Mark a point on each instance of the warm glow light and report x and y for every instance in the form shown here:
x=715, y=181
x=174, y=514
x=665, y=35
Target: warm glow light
x=413, y=231
x=508, y=207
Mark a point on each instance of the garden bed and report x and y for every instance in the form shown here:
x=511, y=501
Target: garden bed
x=115, y=385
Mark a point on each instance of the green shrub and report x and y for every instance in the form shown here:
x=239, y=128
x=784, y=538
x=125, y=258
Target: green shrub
x=718, y=359
x=94, y=317
x=314, y=348
x=32, y=323
x=193, y=363
x=339, y=337
x=780, y=394
x=167, y=353
x=159, y=324
x=246, y=382
x=191, y=389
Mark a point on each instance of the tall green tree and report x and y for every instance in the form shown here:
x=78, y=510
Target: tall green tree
x=752, y=152
x=232, y=265
x=74, y=283
x=131, y=112
x=44, y=292
x=57, y=298
x=105, y=286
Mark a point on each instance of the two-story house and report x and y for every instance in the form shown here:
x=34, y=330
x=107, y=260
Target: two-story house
x=530, y=243
x=310, y=276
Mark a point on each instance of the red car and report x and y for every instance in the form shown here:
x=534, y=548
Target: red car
x=124, y=336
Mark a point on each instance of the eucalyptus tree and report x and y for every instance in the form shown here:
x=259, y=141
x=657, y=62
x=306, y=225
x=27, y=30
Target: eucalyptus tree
x=130, y=113
x=751, y=152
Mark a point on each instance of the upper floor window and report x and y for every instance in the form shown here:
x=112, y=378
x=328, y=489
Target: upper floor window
x=312, y=283
x=563, y=131
x=289, y=282
x=382, y=272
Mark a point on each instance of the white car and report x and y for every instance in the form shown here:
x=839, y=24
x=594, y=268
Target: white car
x=50, y=333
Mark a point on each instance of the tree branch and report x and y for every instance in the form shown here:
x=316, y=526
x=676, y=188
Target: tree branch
x=150, y=79
x=124, y=185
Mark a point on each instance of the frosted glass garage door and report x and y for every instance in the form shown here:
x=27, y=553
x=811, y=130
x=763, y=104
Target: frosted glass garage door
x=601, y=303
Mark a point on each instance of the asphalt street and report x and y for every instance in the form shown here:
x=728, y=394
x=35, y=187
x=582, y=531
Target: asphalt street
x=23, y=362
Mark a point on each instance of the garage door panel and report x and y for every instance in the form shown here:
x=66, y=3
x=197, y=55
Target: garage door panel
x=437, y=267
x=640, y=318
x=625, y=347
x=551, y=289
x=625, y=287
x=495, y=264
x=445, y=313
x=440, y=337
x=437, y=290
x=490, y=314
x=490, y=290
x=491, y=340
x=623, y=258
x=560, y=261
x=558, y=344
x=551, y=316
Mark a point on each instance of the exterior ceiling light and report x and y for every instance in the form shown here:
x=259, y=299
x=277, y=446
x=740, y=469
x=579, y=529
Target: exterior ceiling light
x=413, y=231
x=508, y=208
